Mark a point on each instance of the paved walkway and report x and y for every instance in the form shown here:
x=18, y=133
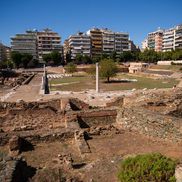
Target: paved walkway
x=27, y=92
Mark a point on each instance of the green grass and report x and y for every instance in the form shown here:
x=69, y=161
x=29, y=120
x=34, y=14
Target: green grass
x=68, y=80
x=86, y=82
x=149, y=83
x=167, y=67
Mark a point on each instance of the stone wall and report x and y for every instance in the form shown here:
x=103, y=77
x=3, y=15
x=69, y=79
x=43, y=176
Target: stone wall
x=36, y=136
x=19, y=116
x=150, y=123
x=93, y=117
x=29, y=120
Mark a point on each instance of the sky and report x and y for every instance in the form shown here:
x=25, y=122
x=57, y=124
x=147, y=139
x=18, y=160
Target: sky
x=137, y=17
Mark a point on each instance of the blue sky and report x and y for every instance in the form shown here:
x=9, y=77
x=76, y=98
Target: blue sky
x=138, y=17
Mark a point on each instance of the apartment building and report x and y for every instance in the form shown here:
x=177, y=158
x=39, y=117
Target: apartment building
x=121, y=41
x=164, y=40
x=168, y=43
x=108, y=41
x=48, y=41
x=5, y=52
x=96, y=42
x=132, y=47
x=2, y=52
x=79, y=43
x=155, y=40
x=25, y=43
x=178, y=37
x=144, y=45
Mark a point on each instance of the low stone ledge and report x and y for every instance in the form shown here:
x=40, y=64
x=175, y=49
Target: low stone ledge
x=37, y=136
x=81, y=142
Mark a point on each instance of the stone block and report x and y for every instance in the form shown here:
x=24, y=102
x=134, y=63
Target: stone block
x=15, y=144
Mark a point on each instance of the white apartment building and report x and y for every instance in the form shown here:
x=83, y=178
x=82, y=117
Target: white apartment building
x=164, y=40
x=144, y=44
x=108, y=41
x=121, y=42
x=25, y=43
x=114, y=41
x=79, y=43
x=178, y=37
x=168, y=43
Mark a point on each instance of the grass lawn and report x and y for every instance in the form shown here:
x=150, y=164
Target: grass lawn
x=86, y=82
x=167, y=67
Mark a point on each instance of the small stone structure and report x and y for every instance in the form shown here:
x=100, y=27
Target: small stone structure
x=137, y=67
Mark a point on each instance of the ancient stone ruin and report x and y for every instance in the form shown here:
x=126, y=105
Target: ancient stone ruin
x=23, y=125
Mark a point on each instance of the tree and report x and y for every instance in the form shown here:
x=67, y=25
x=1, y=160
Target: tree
x=104, y=56
x=33, y=63
x=68, y=57
x=167, y=55
x=149, y=56
x=25, y=59
x=78, y=59
x=177, y=54
x=56, y=58
x=127, y=56
x=108, y=69
x=6, y=64
x=70, y=67
x=135, y=55
x=86, y=59
x=16, y=58
x=47, y=58
x=7, y=73
x=113, y=55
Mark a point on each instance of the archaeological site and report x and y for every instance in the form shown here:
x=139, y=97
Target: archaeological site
x=83, y=136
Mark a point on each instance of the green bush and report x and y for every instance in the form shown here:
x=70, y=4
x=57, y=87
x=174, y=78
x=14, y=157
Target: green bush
x=147, y=167
x=70, y=67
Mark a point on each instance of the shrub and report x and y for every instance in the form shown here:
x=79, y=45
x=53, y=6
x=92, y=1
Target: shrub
x=70, y=68
x=147, y=167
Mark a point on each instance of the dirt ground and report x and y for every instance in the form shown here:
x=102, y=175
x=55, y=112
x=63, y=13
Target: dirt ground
x=102, y=164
